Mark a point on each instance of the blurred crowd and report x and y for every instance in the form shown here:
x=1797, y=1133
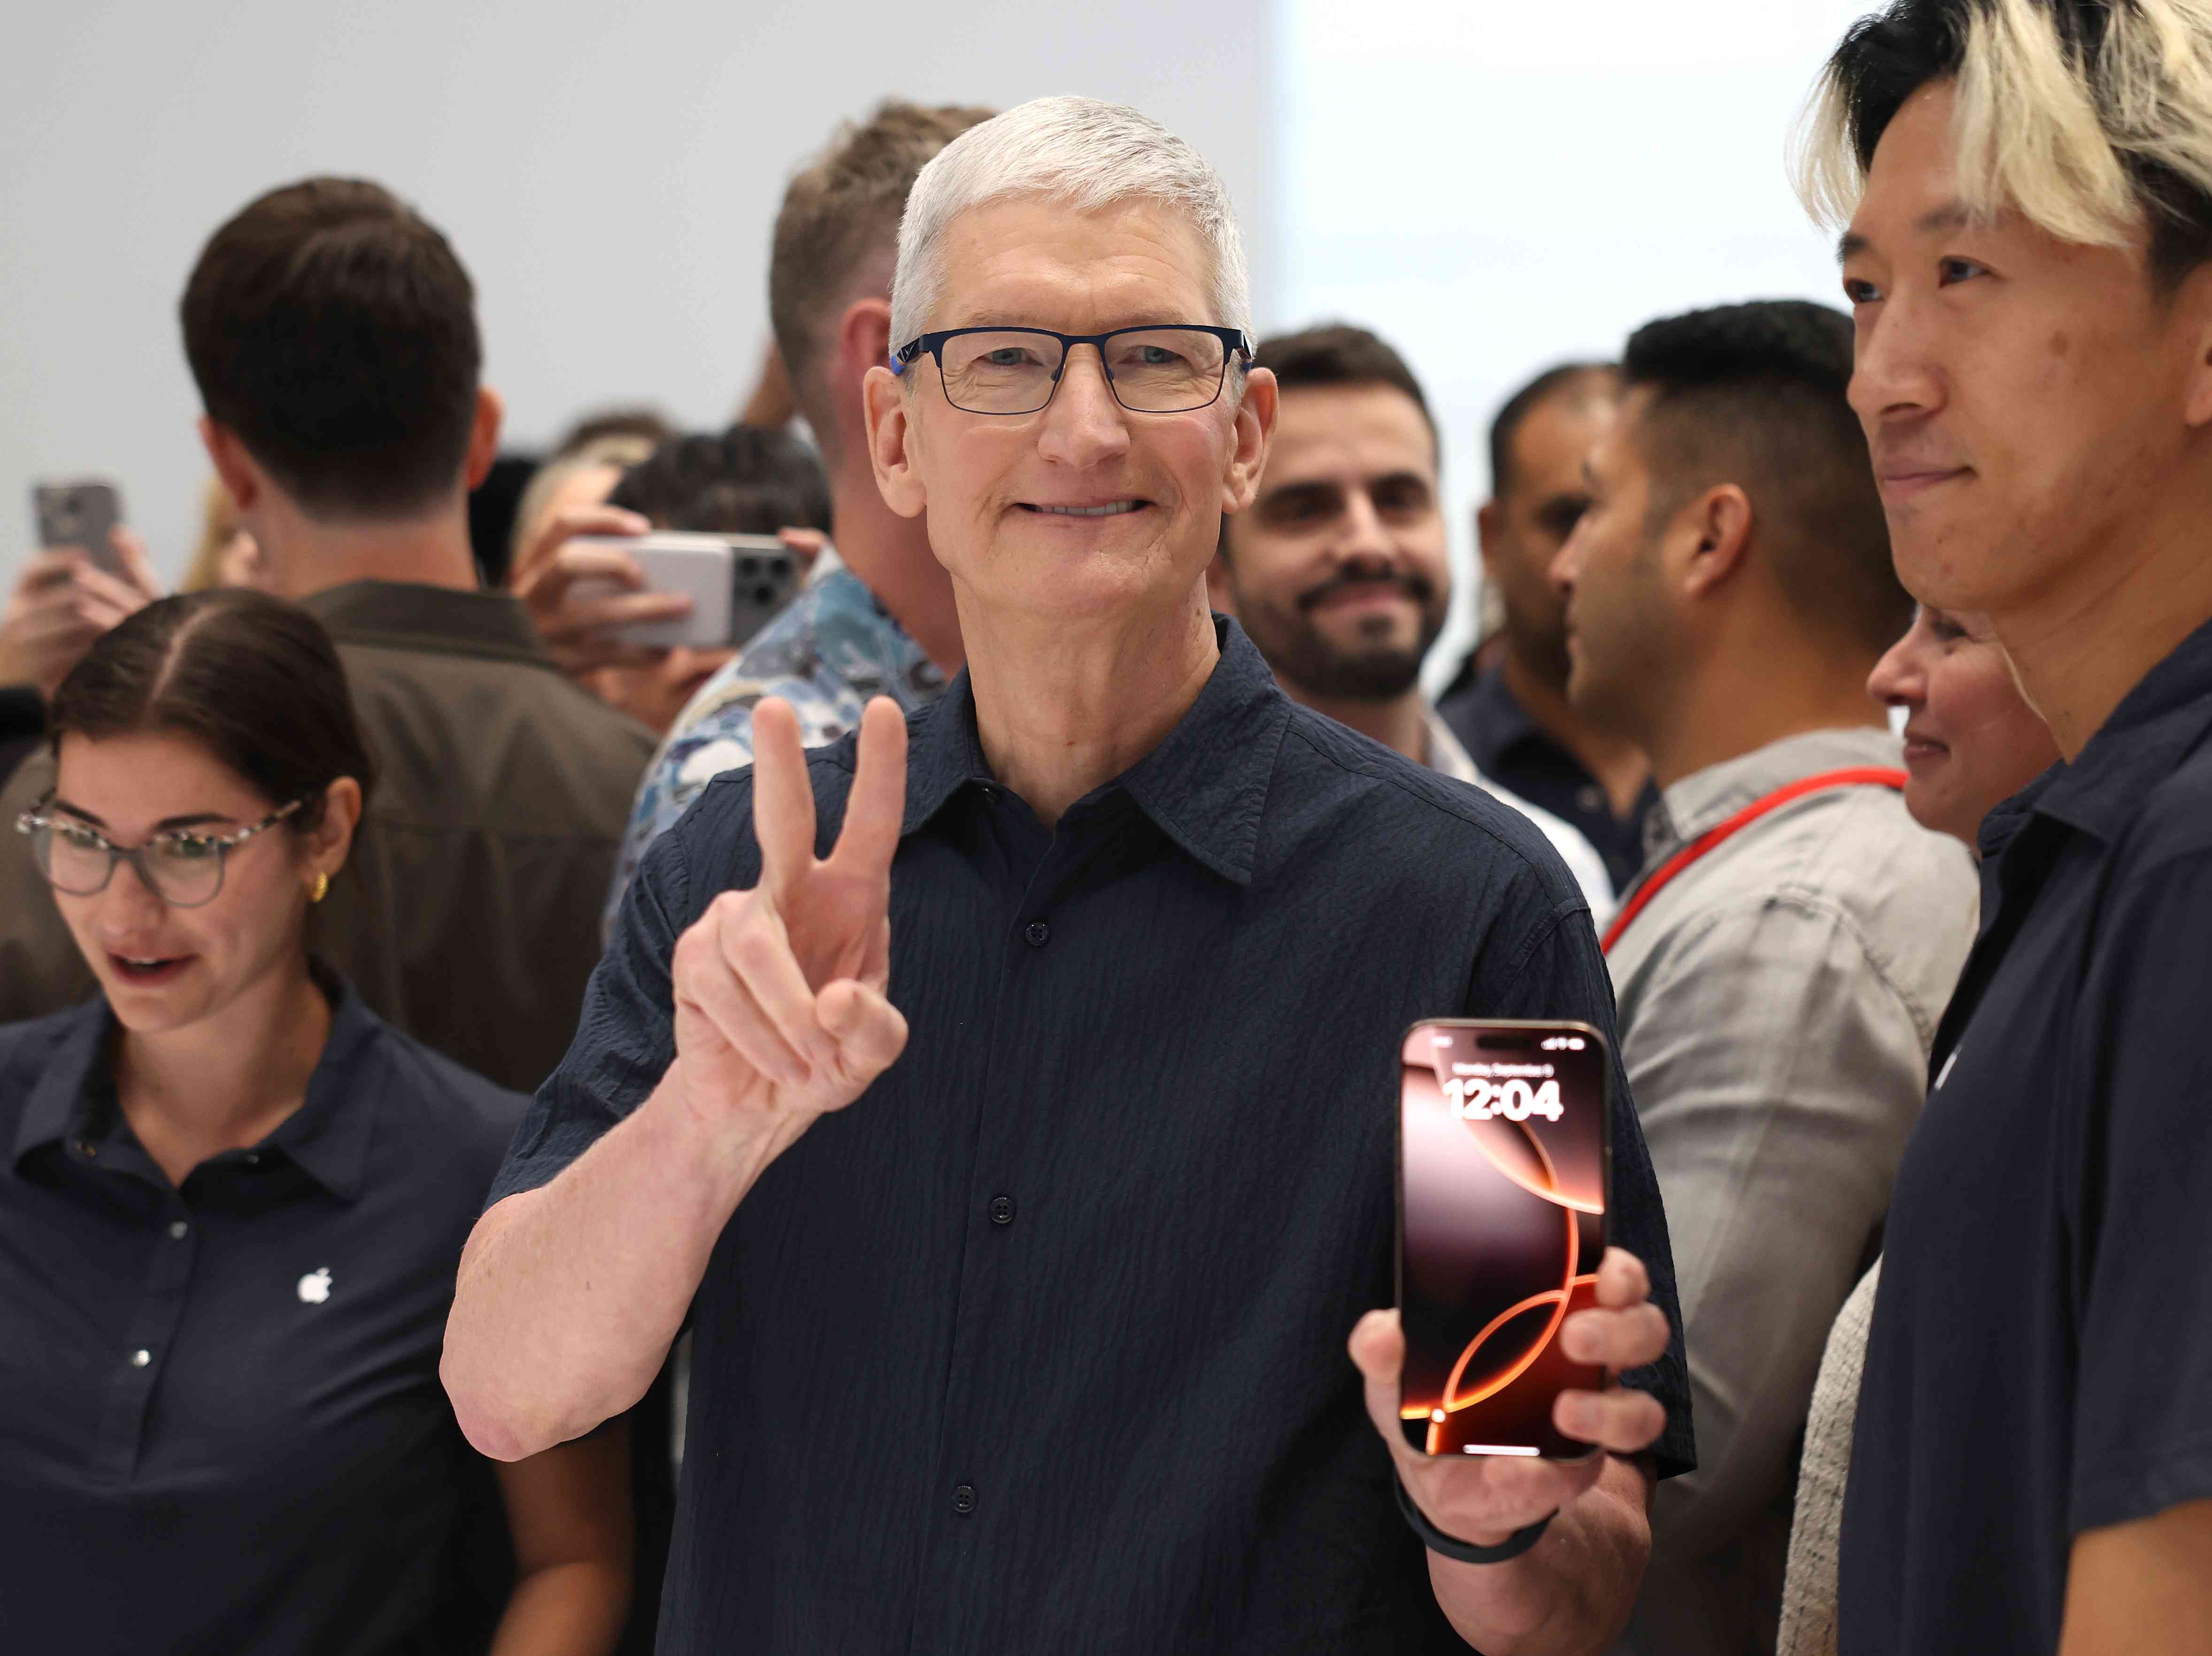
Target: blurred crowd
x=1835, y=745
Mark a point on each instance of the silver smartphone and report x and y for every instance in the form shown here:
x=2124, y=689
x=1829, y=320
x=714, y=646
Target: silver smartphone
x=82, y=512
x=736, y=583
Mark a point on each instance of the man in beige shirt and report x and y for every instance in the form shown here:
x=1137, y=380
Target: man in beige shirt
x=1782, y=962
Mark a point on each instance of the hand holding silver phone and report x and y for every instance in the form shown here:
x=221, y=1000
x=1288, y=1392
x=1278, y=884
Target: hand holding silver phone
x=736, y=583
x=83, y=512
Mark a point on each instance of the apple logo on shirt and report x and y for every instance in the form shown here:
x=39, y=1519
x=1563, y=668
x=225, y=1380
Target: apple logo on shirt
x=315, y=1286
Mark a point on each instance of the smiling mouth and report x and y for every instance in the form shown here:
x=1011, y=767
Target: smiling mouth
x=1111, y=509
x=1909, y=483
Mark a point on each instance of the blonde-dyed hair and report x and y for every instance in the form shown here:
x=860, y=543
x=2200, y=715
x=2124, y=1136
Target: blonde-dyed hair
x=2093, y=118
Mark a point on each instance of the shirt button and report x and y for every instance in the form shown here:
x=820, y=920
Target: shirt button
x=141, y=1358
x=1038, y=933
x=86, y=1147
x=253, y=1158
x=963, y=1499
x=1589, y=796
x=1002, y=1210
x=178, y=1230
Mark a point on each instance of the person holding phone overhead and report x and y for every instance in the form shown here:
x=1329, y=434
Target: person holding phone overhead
x=231, y=1199
x=954, y=1082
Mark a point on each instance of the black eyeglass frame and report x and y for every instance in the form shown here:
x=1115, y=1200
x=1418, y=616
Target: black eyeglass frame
x=35, y=819
x=1236, y=347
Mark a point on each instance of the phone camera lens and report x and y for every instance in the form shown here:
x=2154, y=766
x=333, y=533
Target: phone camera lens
x=748, y=567
x=763, y=596
x=779, y=566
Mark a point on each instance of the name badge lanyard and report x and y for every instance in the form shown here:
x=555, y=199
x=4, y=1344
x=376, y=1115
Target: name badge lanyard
x=1711, y=840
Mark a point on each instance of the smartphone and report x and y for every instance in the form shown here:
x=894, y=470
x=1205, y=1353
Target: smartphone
x=82, y=512
x=1505, y=1174
x=736, y=583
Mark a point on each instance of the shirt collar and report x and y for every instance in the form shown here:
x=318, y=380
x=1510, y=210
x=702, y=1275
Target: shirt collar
x=1204, y=786
x=1447, y=755
x=2158, y=722
x=443, y=620
x=1704, y=798
x=327, y=1138
x=1498, y=720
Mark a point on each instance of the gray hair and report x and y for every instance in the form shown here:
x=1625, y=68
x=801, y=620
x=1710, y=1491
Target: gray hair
x=2063, y=114
x=1079, y=150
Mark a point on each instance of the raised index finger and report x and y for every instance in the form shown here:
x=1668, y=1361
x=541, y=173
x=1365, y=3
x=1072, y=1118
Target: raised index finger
x=875, y=811
x=783, y=797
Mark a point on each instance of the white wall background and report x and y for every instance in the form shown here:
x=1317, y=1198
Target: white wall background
x=609, y=174
x=1495, y=187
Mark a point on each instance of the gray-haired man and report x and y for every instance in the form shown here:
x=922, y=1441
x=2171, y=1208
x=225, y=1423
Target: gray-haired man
x=1039, y=1347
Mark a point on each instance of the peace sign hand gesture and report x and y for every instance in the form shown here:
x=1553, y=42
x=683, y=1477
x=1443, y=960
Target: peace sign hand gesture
x=780, y=1014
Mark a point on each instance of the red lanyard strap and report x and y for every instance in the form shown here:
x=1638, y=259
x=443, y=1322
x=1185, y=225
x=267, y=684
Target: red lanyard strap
x=1667, y=872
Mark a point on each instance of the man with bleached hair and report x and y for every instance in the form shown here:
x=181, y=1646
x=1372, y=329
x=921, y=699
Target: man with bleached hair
x=2025, y=189
x=1005, y=1094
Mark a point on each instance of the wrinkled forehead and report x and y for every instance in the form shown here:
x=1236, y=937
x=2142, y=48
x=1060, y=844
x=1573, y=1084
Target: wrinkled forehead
x=1039, y=262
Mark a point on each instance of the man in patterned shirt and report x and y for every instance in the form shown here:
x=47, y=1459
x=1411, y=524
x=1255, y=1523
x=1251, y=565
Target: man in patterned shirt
x=877, y=618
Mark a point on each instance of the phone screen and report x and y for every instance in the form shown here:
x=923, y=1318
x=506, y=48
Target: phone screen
x=1504, y=1168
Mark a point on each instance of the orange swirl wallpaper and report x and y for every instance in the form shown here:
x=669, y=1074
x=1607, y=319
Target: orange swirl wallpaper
x=1502, y=1190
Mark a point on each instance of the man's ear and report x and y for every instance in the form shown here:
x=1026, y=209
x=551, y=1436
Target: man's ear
x=232, y=463
x=484, y=435
x=861, y=341
x=1708, y=539
x=1255, y=431
x=1489, y=520
x=2193, y=308
x=891, y=436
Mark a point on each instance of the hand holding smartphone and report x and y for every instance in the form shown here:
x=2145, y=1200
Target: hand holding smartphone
x=81, y=512
x=1504, y=1172
x=736, y=584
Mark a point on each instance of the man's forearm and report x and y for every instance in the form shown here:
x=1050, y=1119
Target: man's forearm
x=1570, y=1593
x=570, y=1295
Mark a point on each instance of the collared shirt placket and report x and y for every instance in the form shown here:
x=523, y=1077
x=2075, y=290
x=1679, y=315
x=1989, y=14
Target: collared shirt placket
x=971, y=1511
x=172, y=1245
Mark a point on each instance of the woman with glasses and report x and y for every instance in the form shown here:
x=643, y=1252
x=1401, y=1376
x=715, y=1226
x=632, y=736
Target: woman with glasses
x=232, y=1202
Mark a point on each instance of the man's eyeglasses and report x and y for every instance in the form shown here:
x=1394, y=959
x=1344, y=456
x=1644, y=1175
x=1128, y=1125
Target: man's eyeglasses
x=1166, y=370
x=182, y=868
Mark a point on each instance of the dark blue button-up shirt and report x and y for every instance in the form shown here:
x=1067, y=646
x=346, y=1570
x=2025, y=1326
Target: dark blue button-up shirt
x=2040, y=1359
x=1039, y=1344
x=222, y=1431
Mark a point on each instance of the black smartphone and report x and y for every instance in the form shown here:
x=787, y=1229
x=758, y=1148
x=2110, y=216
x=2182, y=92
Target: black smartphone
x=1505, y=1174
x=81, y=512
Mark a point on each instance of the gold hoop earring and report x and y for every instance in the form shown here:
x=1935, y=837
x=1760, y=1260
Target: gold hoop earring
x=322, y=888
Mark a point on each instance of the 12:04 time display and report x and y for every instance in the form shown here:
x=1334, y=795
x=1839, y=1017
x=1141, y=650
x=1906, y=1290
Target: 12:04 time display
x=1473, y=1098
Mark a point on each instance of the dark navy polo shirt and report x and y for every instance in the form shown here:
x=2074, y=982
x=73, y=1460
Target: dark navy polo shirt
x=1039, y=1345
x=222, y=1429
x=2040, y=1360
x=1508, y=747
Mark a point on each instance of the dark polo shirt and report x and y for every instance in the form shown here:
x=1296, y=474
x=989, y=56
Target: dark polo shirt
x=1039, y=1344
x=222, y=1431
x=2040, y=1361
x=1507, y=747
x=469, y=914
